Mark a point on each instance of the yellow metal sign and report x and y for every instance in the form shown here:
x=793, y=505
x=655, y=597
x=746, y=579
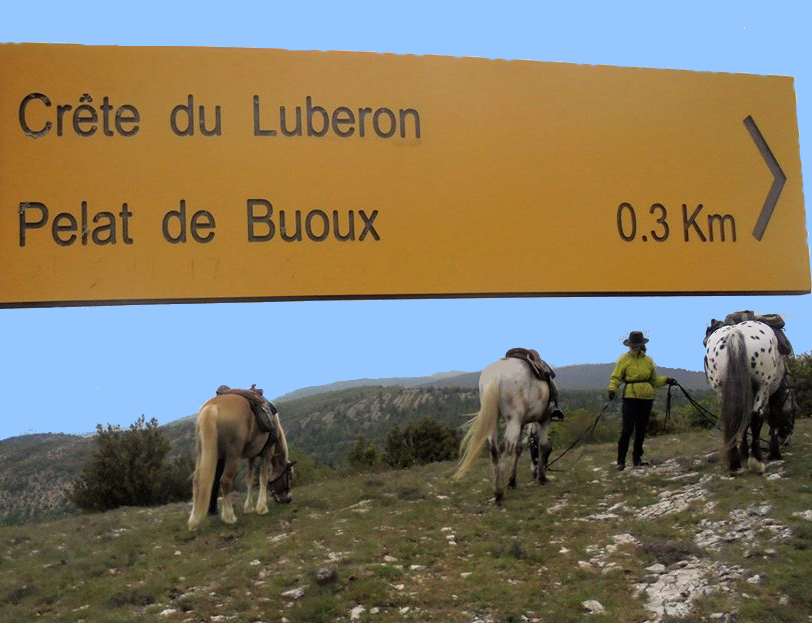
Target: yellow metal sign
x=189, y=174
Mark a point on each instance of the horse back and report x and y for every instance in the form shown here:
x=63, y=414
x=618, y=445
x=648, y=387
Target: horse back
x=520, y=392
x=237, y=432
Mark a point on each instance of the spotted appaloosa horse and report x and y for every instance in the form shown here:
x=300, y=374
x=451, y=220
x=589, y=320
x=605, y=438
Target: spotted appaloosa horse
x=507, y=389
x=745, y=369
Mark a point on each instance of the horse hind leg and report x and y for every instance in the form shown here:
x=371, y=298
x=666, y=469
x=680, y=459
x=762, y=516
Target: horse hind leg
x=215, y=488
x=248, y=505
x=496, y=451
x=756, y=462
x=519, y=450
x=227, y=485
x=507, y=452
x=546, y=449
x=535, y=455
x=775, y=446
x=516, y=455
x=760, y=405
x=264, y=474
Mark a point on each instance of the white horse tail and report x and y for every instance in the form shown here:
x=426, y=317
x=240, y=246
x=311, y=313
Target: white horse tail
x=205, y=463
x=737, y=392
x=482, y=426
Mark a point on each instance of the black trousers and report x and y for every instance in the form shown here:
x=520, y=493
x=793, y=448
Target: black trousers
x=635, y=420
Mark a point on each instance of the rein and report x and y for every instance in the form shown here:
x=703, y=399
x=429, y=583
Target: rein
x=588, y=431
x=708, y=415
x=594, y=424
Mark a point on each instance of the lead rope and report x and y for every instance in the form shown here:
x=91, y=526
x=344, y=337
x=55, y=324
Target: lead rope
x=707, y=414
x=588, y=431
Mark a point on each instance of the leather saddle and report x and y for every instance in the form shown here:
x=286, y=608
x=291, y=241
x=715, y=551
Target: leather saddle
x=263, y=409
x=541, y=369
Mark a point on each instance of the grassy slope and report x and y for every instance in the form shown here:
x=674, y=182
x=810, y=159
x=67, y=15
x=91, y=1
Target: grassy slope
x=416, y=546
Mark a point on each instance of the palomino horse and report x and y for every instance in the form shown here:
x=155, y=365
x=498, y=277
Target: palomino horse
x=226, y=431
x=507, y=389
x=745, y=369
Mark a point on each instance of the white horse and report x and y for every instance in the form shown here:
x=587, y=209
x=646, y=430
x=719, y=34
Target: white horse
x=507, y=389
x=745, y=369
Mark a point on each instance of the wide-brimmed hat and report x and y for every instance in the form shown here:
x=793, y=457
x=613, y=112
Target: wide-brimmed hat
x=635, y=339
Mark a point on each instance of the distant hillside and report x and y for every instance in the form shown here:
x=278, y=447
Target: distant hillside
x=583, y=376
x=34, y=472
x=578, y=376
x=389, y=382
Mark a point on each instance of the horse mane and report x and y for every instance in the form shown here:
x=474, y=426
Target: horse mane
x=282, y=442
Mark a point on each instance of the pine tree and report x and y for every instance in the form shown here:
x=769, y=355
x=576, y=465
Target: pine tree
x=363, y=454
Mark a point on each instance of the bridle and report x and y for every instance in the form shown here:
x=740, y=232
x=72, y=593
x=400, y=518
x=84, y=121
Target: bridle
x=286, y=471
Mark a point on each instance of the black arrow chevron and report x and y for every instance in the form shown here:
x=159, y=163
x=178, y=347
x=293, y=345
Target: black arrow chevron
x=778, y=178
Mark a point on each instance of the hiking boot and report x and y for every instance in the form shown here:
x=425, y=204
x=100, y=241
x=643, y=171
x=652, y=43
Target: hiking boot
x=557, y=415
x=641, y=463
x=620, y=467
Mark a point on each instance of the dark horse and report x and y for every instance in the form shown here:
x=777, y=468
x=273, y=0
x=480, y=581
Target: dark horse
x=226, y=432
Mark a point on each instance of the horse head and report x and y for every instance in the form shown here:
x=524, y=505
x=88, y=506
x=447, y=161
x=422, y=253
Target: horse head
x=282, y=482
x=782, y=414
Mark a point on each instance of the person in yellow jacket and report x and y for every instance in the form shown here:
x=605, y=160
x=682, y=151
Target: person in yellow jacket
x=636, y=369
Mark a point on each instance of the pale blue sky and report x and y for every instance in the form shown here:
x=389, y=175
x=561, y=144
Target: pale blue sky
x=66, y=369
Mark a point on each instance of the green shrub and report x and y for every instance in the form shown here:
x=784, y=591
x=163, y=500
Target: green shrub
x=363, y=454
x=129, y=468
x=421, y=442
x=800, y=369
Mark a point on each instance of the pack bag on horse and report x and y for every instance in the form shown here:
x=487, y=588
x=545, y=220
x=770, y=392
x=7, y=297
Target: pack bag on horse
x=519, y=393
x=746, y=364
x=237, y=424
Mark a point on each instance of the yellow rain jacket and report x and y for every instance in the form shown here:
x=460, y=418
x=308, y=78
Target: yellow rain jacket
x=638, y=372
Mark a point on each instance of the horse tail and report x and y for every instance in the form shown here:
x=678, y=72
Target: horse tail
x=481, y=426
x=737, y=392
x=205, y=463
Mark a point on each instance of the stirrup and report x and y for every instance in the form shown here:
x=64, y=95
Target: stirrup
x=557, y=415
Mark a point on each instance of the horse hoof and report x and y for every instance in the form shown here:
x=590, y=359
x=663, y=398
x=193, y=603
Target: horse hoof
x=262, y=511
x=498, y=499
x=755, y=466
x=512, y=484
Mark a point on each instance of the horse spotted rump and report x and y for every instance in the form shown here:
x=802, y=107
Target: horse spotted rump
x=744, y=368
